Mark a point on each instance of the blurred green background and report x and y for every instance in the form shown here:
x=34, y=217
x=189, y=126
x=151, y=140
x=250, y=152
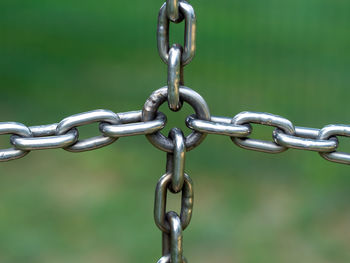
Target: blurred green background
x=291, y=58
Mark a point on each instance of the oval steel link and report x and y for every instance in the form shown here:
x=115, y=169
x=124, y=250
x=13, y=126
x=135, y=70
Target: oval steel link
x=298, y=142
x=136, y=128
x=17, y=129
x=218, y=125
x=157, y=98
x=174, y=77
x=44, y=139
x=84, y=119
x=176, y=160
x=189, y=48
x=161, y=197
x=264, y=119
x=332, y=131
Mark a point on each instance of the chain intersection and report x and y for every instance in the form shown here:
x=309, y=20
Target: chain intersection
x=149, y=121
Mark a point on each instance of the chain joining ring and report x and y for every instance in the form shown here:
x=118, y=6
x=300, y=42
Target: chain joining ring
x=190, y=33
x=161, y=197
x=264, y=119
x=13, y=128
x=186, y=94
x=88, y=118
x=335, y=130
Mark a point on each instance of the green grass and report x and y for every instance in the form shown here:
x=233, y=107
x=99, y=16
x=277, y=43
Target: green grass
x=289, y=58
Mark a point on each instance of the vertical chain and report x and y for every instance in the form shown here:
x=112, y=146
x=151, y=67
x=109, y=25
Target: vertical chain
x=176, y=56
x=175, y=180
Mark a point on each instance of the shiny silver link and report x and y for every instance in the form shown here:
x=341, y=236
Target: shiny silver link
x=172, y=10
x=189, y=48
x=330, y=131
x=306, y=132
x=43, y=130
x=17, y=129
x=84, y=119
x=297, y=142
x=161, y=197
x=130, y=116
x=174, y=77
x=264, y=119
x=172, y=242
x=176, y=160
x=41, y=142
x=152, y=105
x=137, y=127
x=218, y=125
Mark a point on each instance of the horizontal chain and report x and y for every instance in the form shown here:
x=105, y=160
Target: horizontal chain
x=285, y=134
x=65, y=133
x=114, y=125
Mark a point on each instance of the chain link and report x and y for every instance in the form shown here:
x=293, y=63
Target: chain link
x=263, y=119
x=189, y=48
x=157, y=98
x=160, y=202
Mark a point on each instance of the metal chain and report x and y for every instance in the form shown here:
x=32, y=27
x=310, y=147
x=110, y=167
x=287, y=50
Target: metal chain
x=285, y=136
x=176, y=56
x=65, y=134
x=150, y=122
x=175, y=180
